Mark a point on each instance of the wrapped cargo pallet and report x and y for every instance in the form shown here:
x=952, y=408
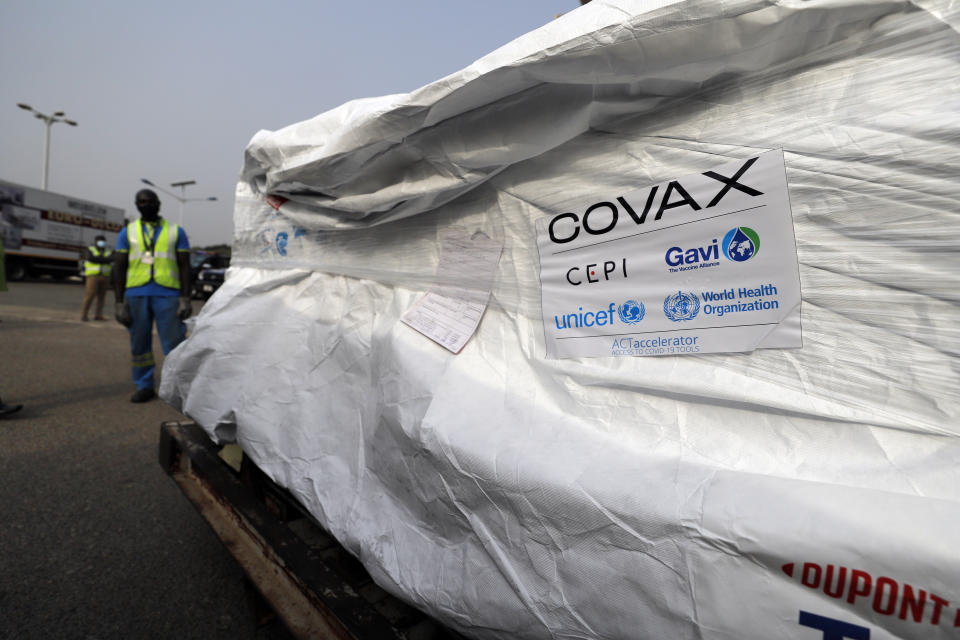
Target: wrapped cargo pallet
x=644, y=325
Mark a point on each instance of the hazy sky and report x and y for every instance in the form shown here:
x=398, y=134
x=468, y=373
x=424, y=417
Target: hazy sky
x=174, y=90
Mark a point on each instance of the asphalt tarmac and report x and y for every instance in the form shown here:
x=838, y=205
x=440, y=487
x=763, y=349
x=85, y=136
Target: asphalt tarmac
x=96, y=541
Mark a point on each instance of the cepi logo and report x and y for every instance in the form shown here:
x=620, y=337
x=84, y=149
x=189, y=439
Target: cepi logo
x=740, y=244
x=631, y=312
x=680, y=306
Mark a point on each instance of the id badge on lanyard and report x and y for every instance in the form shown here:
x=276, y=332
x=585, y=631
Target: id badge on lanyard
x=147, y=257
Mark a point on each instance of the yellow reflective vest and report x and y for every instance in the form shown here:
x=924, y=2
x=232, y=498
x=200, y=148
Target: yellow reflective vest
x=164, y=270
x=94, y=268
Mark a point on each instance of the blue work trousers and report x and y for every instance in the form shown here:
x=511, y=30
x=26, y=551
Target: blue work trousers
x=146, y=309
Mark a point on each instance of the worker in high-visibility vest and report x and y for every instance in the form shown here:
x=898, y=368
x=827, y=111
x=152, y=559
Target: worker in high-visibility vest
x=151, y=278
x=96, y=269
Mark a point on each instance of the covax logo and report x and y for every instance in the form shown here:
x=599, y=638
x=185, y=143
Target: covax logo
x=602, y=217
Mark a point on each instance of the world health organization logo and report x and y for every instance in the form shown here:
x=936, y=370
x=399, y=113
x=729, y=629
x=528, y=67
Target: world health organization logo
x=740, y=244
x=682, y=305
x=631, y=312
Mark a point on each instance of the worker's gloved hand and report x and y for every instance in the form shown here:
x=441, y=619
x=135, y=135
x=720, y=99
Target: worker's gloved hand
x=184, y=309
x=122, y=312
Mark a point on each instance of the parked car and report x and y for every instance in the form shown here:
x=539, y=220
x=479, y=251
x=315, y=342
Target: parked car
x=209, y=277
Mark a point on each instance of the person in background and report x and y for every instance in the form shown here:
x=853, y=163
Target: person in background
x=151, y=280
x=5, y=409
x=96, y=269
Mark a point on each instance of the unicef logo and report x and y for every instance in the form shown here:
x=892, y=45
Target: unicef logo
x=631, y=312
x=682, y=305
x=740, y=244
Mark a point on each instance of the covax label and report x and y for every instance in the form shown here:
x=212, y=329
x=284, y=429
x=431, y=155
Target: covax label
x=702, y=263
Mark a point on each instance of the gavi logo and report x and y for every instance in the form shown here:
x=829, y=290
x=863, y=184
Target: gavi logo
x=677, y=256
x=740, y=244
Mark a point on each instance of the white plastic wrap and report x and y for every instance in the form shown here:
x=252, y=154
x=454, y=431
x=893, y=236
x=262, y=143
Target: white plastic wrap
x=782, y=493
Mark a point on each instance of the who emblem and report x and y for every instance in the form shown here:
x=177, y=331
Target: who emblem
x=682, y=305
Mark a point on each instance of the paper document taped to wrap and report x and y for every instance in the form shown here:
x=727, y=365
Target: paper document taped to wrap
x=449, y=314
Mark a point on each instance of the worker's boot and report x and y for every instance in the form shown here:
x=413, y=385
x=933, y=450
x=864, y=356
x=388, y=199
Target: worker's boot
x=7, y=409
x=143, y=395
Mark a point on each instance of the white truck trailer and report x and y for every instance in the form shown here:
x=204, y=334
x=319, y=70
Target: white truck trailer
x=45, y=232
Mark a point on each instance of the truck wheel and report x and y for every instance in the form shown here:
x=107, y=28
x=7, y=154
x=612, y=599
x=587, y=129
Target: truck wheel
x=16, y=269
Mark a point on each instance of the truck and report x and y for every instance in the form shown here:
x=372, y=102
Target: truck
x=45, y=233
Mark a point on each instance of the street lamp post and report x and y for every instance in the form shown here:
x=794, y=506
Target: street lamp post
x=183, y=199
x=183, y=184
x=58, y=116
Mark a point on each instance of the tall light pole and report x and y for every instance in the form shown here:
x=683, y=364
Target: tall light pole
x=58, y=116
x=183, y=184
